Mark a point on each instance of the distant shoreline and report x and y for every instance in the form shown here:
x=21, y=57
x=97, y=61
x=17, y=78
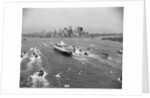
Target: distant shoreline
x=109, y=38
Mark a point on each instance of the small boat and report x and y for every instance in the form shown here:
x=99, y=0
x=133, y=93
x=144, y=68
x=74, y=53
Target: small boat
x=63, y=49
x=80, y=52
x=120, y=51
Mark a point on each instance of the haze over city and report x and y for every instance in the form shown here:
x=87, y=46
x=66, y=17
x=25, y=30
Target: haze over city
x=93, y=20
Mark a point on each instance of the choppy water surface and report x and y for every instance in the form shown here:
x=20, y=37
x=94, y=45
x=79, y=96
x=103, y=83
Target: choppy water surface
x=95, y=71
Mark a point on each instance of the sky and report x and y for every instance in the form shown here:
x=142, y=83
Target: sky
x=93, y=20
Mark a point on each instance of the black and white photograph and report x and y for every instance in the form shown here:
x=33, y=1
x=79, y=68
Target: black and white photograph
x=72, y=48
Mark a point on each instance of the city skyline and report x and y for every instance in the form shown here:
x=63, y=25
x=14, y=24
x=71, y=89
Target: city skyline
x=93, y=20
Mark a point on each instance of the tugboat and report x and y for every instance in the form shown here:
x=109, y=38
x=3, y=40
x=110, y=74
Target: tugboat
x=62, y=48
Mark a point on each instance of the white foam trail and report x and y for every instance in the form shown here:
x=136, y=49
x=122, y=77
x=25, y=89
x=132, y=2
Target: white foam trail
x=91, y=55
x=25, y=56
x=92, y=45
x=85, y=58
x=37, y=60
x=37, y=51
x=30, y=63
x=116, y=60
x=45, y=44
x=31, y=48
x=81, y=59
x=58, y=76
x=80, y=72
x=66, y=85
x=109, y=60
x=112, y=61
x=119, y=79
x=39, y=81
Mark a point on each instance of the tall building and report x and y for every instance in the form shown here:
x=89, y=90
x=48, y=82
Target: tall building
x=78, y=31
x=70, y=31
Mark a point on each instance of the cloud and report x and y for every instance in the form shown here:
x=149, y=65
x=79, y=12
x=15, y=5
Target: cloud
x=94, y=20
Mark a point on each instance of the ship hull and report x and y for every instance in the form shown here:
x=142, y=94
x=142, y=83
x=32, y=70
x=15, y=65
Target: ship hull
x=62, y=51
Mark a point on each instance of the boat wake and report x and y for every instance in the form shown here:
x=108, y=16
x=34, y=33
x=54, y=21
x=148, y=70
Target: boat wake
x=84, y=59
x=37, y=76
x=45, y=44
x=38, y=80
